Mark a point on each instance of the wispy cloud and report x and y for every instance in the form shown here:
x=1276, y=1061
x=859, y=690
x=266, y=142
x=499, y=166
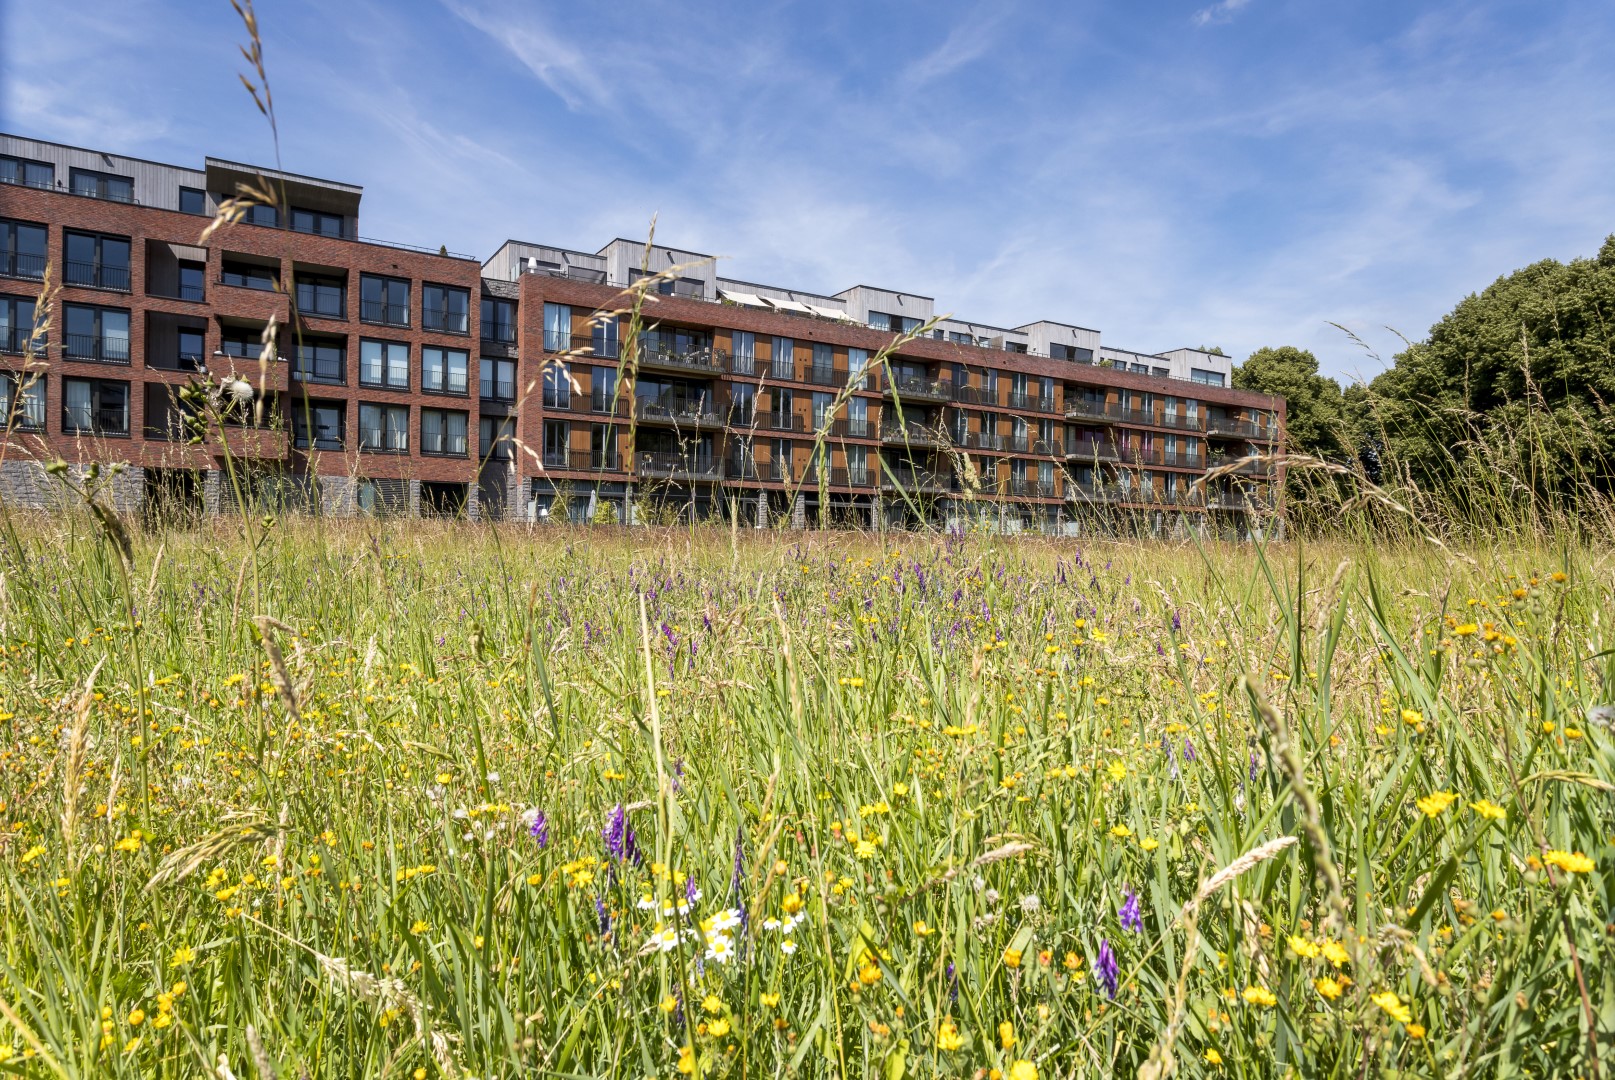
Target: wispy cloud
x=1220, y=12
x=971, y=39
x=571, y=74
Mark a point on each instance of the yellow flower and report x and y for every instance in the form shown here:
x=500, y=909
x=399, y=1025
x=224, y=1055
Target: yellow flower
x=865, y=849
x=1117, y=770
x=419, y=927
x=1335, y=953
x=718, y=1028
x=130, y=843
x=1488, y=810
x=1412, y=717
x=1415, y=1031
x=1121, y=831
x=1012, y=958
x=1006, y=1034
x=1393, y=1006
x=686, y=1063
x=1023, y=1070
x=669, y=1003
x=1212, y=1057
x=33, y=853
x=1259, y=996
x=136, y=1018
x=948, y=1037
x=1149, y=843
x=922, y=930
x=770, y=1000
x=712, y=1004
x=1569, y=862
x=182, y=956
x=1328, y=987
x=1435, y=804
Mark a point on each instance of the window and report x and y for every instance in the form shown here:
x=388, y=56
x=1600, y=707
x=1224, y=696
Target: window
x=823, y=359
x=494, y=434
x=322, y=295
x=22, y=402
x=320, y=361
x=744, y=345
x=323, y=419
x=557, y=327
x=498, y=319
x=1208, y=378
x=22, y=249
x=557, y=439
x=243, y=343
x=95, y=333
x=317, y=222
x=858, y=417
x=383, y=300
x=16, y=323
x=100, y=185
x=101, y=261
x=784, y=358
x=857, y=464
x=95, y=407
x=446, y=309
x=858, y=368
x=1139, y=369
x=192, y=281
x=247, y=275
x=16, y=170
x=444, y=371
x=443, y=432
x=498, y=380
x=603, y=446
x=603, y=336
x=384, y=363
x=384, y=427
x=602, y=389
x=822, y=404
x=557, y=386
x=742, y=404
x=192, y=201
x=189, y=352
x=1071, y=352
x=267, y=216
x=897, y=324
x=1160, y=372
x=383, y=497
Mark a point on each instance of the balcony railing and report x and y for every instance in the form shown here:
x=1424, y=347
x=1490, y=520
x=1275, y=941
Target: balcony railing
x=1229, y=427
x=20, y=264
x=1031, y=402
x=783, y=370
x=1088, y=409
x=374, y=311
x=826, y=376
x=838, y=477
x=699, y=413
x=913, y=480
x=847, y=428
x=445, y=321
x=912, y=434
x=781, y=421
x=705, y=361
x=1092, y=493
x=909, y=387
x=90, y=347
x=979, y=440
x=581, y=460
x=15, y=339
x=743, y=364
x=178, y=361
x=679, y=466
x=96, y=275
x=1031, y=489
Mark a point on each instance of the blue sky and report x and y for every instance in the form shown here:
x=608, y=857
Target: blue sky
x=1238, y=172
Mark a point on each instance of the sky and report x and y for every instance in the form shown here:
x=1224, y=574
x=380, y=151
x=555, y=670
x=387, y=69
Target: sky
x=1236, y=173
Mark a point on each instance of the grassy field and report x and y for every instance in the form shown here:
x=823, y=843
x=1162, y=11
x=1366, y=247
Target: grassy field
x=413, y=800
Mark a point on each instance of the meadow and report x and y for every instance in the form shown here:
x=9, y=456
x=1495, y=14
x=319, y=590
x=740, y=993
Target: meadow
x=297, y=798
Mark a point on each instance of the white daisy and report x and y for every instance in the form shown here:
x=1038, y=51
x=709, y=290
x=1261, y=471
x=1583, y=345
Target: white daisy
x=720, y=948
x=787, y=946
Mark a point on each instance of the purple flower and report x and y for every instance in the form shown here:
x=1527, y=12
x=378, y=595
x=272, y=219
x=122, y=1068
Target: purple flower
x=621, y=843
x=953, y=984
x=541, y=828
x=1188, y=750
x=604, y=915
x=1177, y=624
x=1131, y=919
x=1253, y=766
x=1106, y=970
x=691, y=892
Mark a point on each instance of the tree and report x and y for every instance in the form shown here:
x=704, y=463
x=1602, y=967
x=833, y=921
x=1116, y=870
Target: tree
x=1315, y=410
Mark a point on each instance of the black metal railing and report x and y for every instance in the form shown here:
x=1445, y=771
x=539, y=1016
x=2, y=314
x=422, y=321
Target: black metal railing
x=445, y=321
x=699, y=412
x=21, y=264
x=674, y=465
x=742, y=364
x=781, y=421
x=913, y=480
x=826, y=376
x=247, y=281
x=1088, y=409
x=15, y=339
x=92, y=347
x=178, y=361
x=1030, y=402
x=912, y=434
x=95, y=275
x=1230, y=427
x=909, y=386
x=373, y=311
x=702, y=361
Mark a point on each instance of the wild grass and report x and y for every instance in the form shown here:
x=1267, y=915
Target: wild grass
x=414, y=803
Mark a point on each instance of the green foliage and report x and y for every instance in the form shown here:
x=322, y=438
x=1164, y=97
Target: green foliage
x=1315, y=418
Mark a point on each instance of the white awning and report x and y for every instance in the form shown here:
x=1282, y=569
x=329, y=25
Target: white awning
x=827, y=312
x=744, y=298
x=789, y=305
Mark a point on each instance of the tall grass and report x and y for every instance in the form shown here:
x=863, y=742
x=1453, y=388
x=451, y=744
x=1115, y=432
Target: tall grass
x=955, y=759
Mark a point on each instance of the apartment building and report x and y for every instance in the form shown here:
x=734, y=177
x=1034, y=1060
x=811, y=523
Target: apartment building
x=413, y=381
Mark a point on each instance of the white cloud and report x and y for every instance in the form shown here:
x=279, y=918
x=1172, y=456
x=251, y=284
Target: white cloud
x=1220, y=12
x=974, y=37
x=569, y=72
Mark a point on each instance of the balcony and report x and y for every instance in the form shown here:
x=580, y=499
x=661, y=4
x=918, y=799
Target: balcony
x=847, y=428
x=581, y=460
x=374, y=311
x=781, y=421
x=96, y=276
x=1092, y=493
x=106, y=350
x=1031, y=489
x=743, y=364
x=698, y=413
x=979, y=440
x=1031, y=402
x=826, y=376
x=911, y=388
x=838, y=478
x=914, y=481
x=912, y=434
x=1228, y=427
x=177, y=360
x=705, y=362
x=673, y=466
x=1092, y=411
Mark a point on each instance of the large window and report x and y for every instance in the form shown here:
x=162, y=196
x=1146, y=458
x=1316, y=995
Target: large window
x=384, y=427
x=322, y=295
x=443, y=432
x=557, y=386
x=100, y=185
x=603, y=446
x=1071, y=352
x=784, y=362
x=1208, y=378
x=321, y=418
x=444, y=371
x=744, y=345
x=446, y=309
x=317, y=222
x=498, y=321
x=602, y=389
x=37, y=174
x=603, y=337
x=557, y=327
x=557, y=443
x=383, y=497
x=241, y=342
x=96, y=333
x=383, y=300
x=22, y=249
x=259, y=214
x=192, y=201
x=494, y=435
x=247, y=275
x=498, y=380
x=22, y=402
x=16, y=323
x=95, y=407
x=858, y=368
x=320, y=361
x=384, y=363
x=101, y=261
